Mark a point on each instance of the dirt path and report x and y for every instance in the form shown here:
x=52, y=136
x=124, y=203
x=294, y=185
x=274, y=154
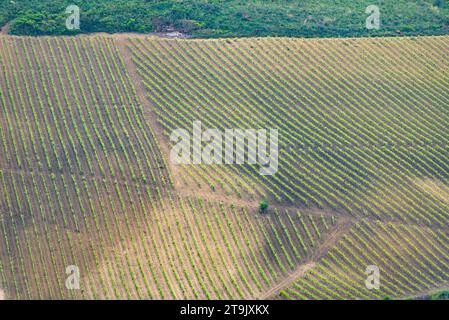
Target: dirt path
x=240, y=202
x=2, y=294
x=288, y=280
x=123, y=36
x=165, y=35
x=149, y=114
x=343, y=225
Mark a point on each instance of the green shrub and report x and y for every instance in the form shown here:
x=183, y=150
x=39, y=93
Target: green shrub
x=263, y=206
x=230, y=18
x=442, y=295
x=438, y=3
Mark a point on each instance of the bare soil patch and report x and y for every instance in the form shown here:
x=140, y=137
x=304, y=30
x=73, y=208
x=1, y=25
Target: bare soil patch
x=126, y=35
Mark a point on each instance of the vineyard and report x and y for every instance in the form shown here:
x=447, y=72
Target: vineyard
x=361, y=131
x=86, y=177
x=413, y=259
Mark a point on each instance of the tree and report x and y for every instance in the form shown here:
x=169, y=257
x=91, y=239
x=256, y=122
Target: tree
x=263, y=206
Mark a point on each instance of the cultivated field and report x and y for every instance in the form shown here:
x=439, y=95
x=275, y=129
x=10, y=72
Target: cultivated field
x=86, y=179
x=362, y=122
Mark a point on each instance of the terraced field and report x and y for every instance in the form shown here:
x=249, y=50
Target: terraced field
x=86, y=177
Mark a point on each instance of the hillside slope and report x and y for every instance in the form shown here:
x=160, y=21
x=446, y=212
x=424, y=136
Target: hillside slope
x=86, y=177
x=363, y=129
x=362, y=122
